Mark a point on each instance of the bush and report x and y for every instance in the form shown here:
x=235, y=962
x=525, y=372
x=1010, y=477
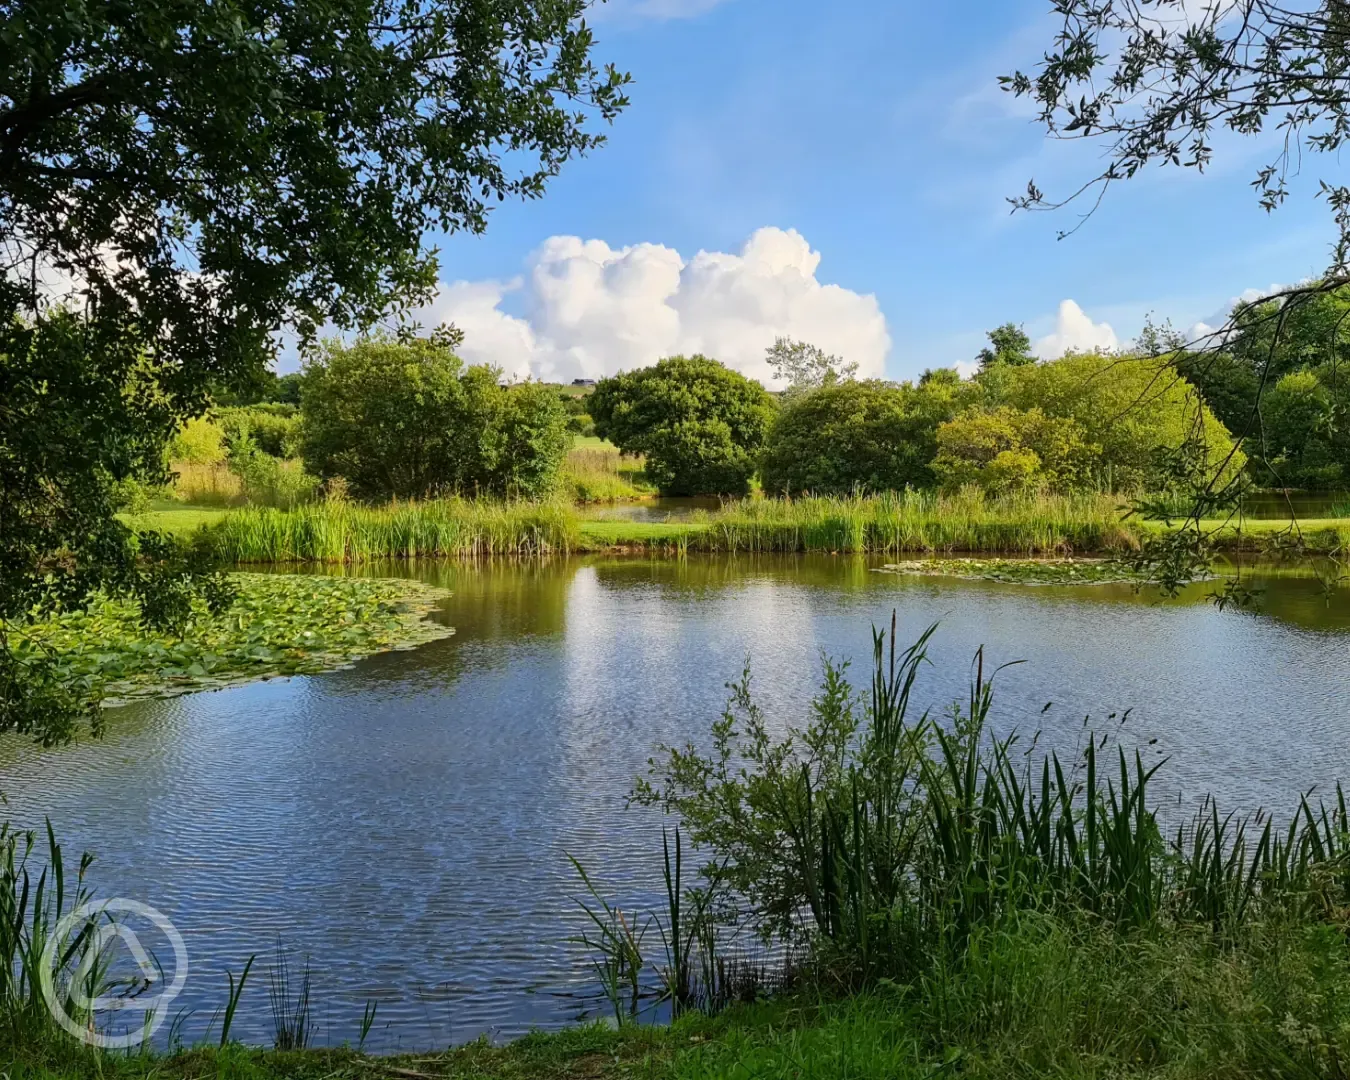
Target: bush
x=581, y=424
x=699, y=424
x=274, y=428
x=1006, y=451
x=408, y=420
x=874, y=435
x=198, y=442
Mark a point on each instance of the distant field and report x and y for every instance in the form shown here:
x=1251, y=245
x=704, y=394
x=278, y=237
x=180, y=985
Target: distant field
x=593, y=442
x=572, y=391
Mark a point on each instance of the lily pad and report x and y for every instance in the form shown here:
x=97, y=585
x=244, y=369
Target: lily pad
x=279, y=624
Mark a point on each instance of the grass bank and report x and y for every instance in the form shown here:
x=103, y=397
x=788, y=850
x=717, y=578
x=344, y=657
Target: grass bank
x=276, y=625
x=1043, y=999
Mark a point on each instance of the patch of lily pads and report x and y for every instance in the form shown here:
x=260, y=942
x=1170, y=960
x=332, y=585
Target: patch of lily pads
x=278, y=625
x=1022, y=571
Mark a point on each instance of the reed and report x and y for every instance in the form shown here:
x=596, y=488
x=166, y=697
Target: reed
x=914, y=521
x=333, y=532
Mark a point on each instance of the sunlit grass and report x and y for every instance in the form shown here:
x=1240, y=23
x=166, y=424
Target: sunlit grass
x=347, y=532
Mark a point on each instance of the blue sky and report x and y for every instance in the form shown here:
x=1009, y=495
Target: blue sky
x=875, y=130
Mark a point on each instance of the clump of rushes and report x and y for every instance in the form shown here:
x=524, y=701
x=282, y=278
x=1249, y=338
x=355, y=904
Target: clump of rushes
x=913, y=521
x=339, y=531
x=278, y=624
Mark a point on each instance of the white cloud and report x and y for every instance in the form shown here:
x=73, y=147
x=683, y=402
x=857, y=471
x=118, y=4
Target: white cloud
x=967, y=369
x=592, y=310
x=1075, y=332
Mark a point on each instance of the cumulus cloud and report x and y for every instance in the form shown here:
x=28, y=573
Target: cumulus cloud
x=590, y=310
x=1075, y=332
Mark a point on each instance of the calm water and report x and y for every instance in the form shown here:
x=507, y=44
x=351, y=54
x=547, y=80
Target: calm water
x=405, y=823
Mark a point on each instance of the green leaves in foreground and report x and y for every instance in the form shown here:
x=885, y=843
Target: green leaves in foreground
x=277, y=625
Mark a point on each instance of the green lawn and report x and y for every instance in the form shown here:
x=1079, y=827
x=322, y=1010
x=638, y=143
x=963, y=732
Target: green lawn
x=593, y=442
x=602, y=534
x=172, y=517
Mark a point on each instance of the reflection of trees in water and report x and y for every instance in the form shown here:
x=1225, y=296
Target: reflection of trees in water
x=704, y=573
x=490, y=600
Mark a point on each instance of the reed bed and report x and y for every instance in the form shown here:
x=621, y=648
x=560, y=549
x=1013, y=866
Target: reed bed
x=336, y=532
x=911, y=521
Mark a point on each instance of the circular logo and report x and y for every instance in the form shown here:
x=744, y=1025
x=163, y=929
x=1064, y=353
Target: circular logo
x=85, y=938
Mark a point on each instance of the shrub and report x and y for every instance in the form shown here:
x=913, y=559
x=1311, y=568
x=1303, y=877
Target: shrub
x=874, y=435
x=198, y=442
x=409, y=420
x=274, y=428
x=1006, y=450
x=699, y=424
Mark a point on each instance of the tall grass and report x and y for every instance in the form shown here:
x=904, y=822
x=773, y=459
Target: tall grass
x=600, y=474
x=345, y=532
x=206, y=484
x=913, y=521
x=257, y=480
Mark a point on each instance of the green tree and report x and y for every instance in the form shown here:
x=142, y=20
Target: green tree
x=409, y=420
x=805, y=367
x=1301, y=443
x=1008, y=344
x=700, y=424
x=1152, y=427
x=1006, y=450
x=872, y=435
x=191, y=179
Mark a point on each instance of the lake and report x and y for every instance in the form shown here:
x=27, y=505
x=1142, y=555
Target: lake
x=405, y=823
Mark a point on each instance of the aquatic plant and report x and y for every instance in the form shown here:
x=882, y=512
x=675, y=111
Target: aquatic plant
x=337, y=531
x=278, y=624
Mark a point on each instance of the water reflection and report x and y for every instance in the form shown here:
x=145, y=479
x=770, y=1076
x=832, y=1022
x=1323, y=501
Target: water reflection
x=406, y=822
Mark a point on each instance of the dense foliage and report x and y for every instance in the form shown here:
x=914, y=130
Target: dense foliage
x=857, y=435
x=1148, y=427
x=699, y=424
x=189, y=180
x=1004, y=449
x=1084, y=422
x=409, y=420
x=1008, y=344
x=1279, y=383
